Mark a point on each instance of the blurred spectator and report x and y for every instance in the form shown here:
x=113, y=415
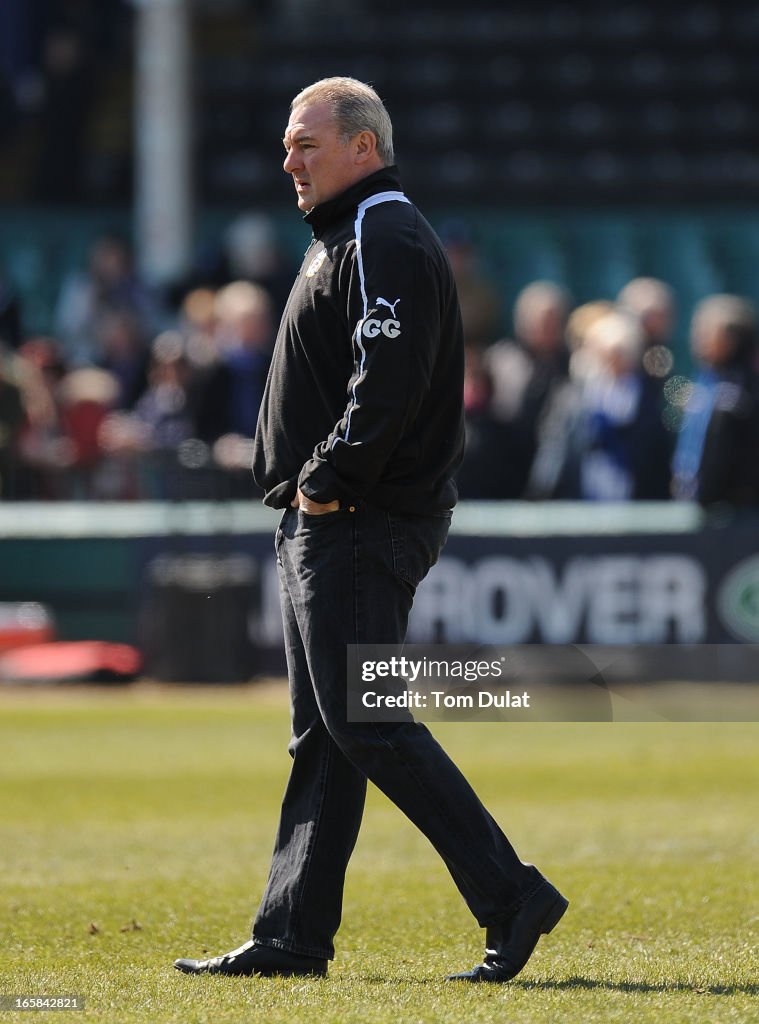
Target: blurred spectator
x=604, y=438
x=162, y=418
x=197, y=324
x=151, y=435
x=526, y=371
x=109, y=284
x=253, y=253
x=579, y=323
x=45, y=450
x=245, y=338
x=478, y=299
x=629, y=447
x=209, y=379
x=58, y=432
x=87, y=395
x=489, y=469
x=227, y=340
x=244, y=335
x=716, y=455
x=123, y=351
x=653, y=303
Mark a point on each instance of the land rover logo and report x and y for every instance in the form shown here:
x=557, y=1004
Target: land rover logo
x=738, y=600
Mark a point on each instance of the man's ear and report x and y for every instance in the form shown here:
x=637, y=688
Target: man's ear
x=365, y=146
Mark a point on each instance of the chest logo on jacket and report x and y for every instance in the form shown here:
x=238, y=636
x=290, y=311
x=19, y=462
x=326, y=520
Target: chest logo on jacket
x=316, y=262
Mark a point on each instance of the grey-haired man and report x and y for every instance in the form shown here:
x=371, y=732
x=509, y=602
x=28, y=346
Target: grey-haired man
x=360, y=432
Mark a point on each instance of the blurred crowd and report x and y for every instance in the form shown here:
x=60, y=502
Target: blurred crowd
x=581, y=402
x=137, y=397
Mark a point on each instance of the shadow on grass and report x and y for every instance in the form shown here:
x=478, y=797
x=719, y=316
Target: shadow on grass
x=638, y=986
x=592, y=984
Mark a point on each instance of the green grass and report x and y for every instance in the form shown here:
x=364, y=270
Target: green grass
x=137, y=826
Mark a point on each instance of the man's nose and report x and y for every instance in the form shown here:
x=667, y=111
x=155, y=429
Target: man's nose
x=291, y=162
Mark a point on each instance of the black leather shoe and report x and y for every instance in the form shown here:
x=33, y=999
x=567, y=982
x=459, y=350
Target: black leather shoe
x=254, y=959
x=509, y=944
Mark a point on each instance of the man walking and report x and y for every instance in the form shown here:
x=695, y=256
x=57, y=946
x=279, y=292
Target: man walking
x=359, y=434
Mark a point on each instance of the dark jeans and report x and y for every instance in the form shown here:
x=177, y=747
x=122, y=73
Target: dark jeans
x=349, y=578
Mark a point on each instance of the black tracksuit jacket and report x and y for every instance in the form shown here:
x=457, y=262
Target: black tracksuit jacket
x=364, y=398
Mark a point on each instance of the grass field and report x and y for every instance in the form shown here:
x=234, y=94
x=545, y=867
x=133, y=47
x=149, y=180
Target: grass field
x=137, y=826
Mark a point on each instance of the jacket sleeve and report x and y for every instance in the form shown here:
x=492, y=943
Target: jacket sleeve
x=394, y=314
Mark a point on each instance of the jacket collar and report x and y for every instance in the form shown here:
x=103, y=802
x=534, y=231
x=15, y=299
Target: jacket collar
x=335, y=209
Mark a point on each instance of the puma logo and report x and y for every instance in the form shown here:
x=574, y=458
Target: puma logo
x=390, y=305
